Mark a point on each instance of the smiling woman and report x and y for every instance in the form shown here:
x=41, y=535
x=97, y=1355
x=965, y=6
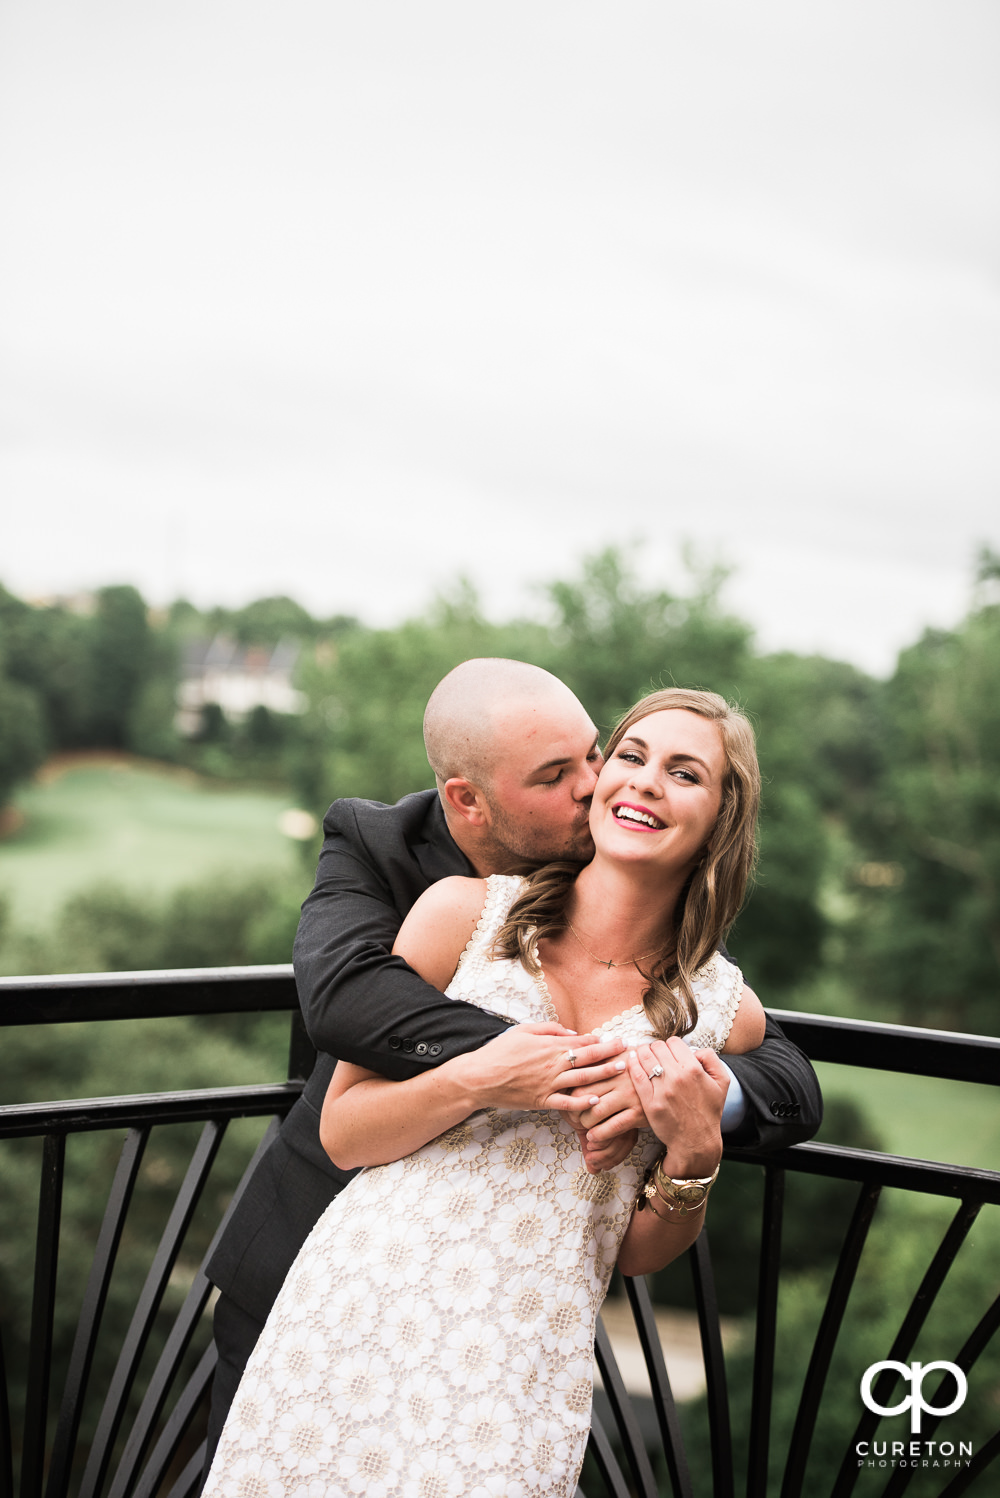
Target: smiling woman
x=675, y=812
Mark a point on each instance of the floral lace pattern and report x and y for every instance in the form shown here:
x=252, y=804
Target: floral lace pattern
x=434, y=1338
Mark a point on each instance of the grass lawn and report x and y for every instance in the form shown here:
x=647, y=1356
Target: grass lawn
x=149, y=827
x=927, y=1118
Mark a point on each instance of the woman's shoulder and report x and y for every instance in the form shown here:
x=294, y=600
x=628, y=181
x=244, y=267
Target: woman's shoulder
x=717, y=988
x=439, y=925
x=451, y=900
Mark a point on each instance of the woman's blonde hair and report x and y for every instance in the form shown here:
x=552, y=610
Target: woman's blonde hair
x=710, y=900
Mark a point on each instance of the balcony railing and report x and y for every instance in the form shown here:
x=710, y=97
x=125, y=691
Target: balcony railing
x=141, y=1427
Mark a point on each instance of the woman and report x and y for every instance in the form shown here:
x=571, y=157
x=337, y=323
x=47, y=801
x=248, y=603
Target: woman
x=434, y=1337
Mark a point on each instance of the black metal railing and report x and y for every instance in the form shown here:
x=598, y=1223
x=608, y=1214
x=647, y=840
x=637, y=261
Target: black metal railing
x=137, y=1435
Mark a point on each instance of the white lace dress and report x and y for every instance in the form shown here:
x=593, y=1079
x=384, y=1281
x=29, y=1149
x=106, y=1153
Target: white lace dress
x=434, y=1338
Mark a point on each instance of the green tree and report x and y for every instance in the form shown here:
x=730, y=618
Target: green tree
x=818, y=739
x=215, y=923
x=616, y=641
x=362, y=734
x=22, y=735
x=48, y=651
x=121, y=659
x=928, y=926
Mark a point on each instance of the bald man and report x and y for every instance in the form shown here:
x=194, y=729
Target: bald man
x=515, y=757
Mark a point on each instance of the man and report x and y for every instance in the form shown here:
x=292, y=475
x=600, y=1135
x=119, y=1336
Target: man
x=516, y=759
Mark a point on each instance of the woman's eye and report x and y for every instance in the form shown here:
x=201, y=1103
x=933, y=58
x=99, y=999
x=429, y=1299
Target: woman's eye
x=629, y=755
x=687, y=775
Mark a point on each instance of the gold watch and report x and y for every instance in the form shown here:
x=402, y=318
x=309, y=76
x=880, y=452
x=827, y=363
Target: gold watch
x=685, y=1196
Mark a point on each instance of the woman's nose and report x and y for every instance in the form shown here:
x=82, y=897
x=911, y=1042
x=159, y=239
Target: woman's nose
x=646, y=780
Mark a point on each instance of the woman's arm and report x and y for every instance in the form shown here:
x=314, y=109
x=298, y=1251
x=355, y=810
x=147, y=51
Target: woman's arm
x=684, y=1109
x=747, y=1030
x=368, y=1120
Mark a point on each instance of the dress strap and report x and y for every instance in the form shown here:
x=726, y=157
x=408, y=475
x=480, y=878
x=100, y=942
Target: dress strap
x=501, y=892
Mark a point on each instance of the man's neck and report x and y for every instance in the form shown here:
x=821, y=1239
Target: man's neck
x=485, y=855
x=463, y=836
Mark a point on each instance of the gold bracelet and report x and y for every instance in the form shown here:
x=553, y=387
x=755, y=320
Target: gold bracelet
x=646, y=1198
x=684, y=1196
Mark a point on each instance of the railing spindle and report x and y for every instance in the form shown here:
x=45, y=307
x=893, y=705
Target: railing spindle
x=145, y=1312
x=720, y=1433
x=625, y=1417
x=88, y=1326
x=826, y=1337
x=183, y=1329
x=659, y=1383
x=43, y=1305
x=765, y=1333
x=914, y=1319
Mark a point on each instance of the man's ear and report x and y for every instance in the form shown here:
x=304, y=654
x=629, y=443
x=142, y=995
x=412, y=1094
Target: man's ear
x=466, y=801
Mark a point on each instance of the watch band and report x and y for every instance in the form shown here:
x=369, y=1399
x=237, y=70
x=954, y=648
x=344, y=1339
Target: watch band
x=684, y=1195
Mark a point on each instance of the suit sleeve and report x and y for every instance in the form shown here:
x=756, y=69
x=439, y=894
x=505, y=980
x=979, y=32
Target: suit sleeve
x=784, y=1102
x=359, y=1002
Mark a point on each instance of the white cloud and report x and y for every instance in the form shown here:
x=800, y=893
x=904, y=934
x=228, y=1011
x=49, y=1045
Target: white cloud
x=342, y=300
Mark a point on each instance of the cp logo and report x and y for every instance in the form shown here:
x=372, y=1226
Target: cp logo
x=914, y=1374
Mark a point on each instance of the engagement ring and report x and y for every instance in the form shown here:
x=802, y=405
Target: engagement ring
x=571, y=1057
x=656, y=1072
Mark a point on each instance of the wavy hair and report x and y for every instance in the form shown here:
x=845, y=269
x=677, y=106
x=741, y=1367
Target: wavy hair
x=710, y=900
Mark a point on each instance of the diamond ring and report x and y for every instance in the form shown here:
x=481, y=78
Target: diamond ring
x=571, y=1057
x=656, y=1072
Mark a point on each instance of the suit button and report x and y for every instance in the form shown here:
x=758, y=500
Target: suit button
x=434, y=1050
x=794, y=1109
x=421, y=1048
x=776, y=1109
x=407, y=1044
x=395, y=1042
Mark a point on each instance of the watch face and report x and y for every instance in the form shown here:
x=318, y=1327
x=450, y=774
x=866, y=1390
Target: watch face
x=690, y=1195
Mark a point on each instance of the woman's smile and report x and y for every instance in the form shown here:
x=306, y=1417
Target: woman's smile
x=638, y=818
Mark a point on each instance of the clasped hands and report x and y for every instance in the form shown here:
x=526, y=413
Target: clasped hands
x=608, y=1090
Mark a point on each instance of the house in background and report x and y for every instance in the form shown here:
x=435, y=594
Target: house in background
x=236, y=679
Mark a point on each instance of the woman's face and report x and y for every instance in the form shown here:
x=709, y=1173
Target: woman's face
x=658, y=795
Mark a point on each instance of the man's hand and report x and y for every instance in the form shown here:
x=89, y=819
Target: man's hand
x=683, y=1104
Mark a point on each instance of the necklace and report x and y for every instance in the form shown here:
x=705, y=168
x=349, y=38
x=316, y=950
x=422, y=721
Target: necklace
x=628, y=962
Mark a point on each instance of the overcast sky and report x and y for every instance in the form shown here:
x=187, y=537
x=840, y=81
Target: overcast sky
x=341, y=300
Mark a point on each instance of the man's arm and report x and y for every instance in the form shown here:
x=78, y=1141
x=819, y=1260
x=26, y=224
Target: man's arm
x=359, y=1002
x=784, y=1105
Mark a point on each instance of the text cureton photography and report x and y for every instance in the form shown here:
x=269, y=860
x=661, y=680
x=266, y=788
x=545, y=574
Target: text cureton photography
x=915, y=1452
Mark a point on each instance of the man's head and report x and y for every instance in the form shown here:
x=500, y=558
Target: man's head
x=516, y=760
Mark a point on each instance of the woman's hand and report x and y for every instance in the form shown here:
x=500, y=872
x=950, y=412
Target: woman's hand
x=683, y=1104
x=607, y=1156
x=529, y=1067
